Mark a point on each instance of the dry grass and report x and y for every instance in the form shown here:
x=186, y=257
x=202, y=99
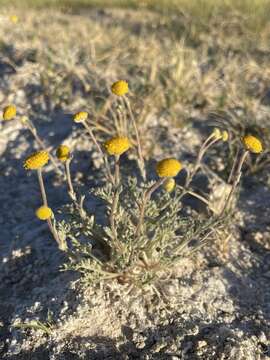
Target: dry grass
x=254, y=13
x=176, y=69
x=178, y=72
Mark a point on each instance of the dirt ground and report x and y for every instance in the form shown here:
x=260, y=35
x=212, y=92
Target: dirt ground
x=216, y=305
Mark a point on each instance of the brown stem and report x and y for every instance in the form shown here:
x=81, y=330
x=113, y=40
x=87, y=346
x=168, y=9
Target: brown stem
x=141, y=160
x=147, y=195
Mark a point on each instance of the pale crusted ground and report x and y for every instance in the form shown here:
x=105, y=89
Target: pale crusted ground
x=216, y=305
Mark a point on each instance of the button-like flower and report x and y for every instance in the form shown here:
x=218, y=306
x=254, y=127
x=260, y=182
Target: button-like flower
x=168, y=167
x=120, y=87
x=117, y=145
x=169, y=185
x=9, y=112
x=225, y=135
x=63, y=153
x=24, y=120
x=36, y=160
x=80, y=116
x=217, y=134
x=14, y=19
x=44, y=213
x=252, y=144
x=220, y=135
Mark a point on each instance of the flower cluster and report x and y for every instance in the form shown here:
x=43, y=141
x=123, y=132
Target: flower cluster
x=252, y=144
x=9, y=112
x=117, y=145
x=36, y=160
x=44, y=213
x=143, y=233
x=120, y=88
x=63, y=153
x=169, y=185
x=80, y=116
x=221, y=134
x=168, y=167
x=14, y=19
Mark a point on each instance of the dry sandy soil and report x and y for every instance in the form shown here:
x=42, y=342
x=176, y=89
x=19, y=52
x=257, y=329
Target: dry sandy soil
x=216, y=305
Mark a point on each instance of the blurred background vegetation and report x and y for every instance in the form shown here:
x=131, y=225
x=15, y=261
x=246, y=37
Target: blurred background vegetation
x=184, y=59
x=254, y=12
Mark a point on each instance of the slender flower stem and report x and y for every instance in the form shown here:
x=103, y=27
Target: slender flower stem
x=205, y=146
x=115, y=201
x=234, y=166
x=112, y=214
x=61, y=244
x=115, y=119
x=69, y=181
x=71, y=192
x=147, y=195
x=117, y=171
x=211, y=140
x=141, y=159
x=104, y=157
x=88, y=128
x=198, y=196
x=42, y=187
x=124, y=117
x=33, y=131
x=236, y=179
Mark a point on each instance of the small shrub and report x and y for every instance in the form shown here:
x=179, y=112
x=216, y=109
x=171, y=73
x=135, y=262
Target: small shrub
x=114, y=249
x=144, y=228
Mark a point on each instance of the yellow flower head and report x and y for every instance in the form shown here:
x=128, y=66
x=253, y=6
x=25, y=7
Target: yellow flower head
x=9, y=112
x=63, y=153
x=225, y=135
x=117, y=145
x=80, y=116
x=168, y=167
x=120, y=87
x=217, y=133
x=220, y=135
x=169, y=185
x=36, y=160
x=14, y=19
x=24, y=120
x=44, y=213
x=252, y=144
